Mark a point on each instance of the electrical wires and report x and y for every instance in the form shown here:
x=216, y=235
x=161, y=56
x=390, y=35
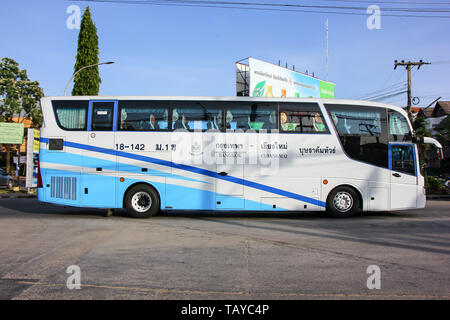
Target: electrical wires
x=385, y=93
x=410, y=9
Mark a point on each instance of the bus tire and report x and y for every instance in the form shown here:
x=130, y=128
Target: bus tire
x=142, y=201
x=342, y=202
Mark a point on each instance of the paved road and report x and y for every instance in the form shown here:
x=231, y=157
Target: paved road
x=225, y=256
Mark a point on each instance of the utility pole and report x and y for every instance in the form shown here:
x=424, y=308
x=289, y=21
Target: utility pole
x=408, y=66
x=326, y=26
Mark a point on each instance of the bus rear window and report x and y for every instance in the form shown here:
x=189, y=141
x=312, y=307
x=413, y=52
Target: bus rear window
x=71, y=115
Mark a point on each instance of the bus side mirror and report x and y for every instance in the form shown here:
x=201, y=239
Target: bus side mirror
x=435, y=143
x=417, y=139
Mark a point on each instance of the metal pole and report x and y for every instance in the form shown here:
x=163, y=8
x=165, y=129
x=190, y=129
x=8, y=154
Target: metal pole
x=85, y=67
x=408, y=68
x=327, y=47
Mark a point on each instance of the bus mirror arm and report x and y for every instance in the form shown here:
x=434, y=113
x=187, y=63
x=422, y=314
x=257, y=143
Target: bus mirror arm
x=427, y=140
x=434, y=142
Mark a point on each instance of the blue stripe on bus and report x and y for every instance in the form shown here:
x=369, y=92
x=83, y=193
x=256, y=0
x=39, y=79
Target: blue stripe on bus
x=201, y=171
x=67, y=158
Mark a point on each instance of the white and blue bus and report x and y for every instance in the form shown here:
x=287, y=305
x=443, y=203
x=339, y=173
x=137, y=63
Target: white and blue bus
x=148, y=154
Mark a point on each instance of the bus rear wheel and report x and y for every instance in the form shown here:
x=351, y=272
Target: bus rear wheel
x=342, y=202
x=142, y=201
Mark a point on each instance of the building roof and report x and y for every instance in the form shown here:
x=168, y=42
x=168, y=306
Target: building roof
x=442, y=108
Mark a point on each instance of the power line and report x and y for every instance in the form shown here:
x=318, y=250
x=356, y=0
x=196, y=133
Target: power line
x=391, y=2
x=382, y=90
x=441, y=62
x=388, y=96
x=276, y=7
x=289, y=5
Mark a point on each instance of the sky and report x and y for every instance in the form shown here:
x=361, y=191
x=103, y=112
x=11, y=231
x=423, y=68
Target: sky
x=168, y=50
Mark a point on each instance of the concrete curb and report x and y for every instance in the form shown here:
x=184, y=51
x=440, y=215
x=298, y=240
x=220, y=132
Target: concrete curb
x=438, y=196
x=17, y=196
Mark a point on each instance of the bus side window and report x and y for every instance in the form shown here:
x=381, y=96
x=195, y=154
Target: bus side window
x=403, y=159
x=362, y=131
x=251, y=116
x=196, y=115
x=102, y=116
x=71, y=115
x=398, y=127
x=301, y=118
x=143, y=115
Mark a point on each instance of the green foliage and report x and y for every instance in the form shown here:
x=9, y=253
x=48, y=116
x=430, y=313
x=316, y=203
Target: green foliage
x=434, y=185
x=443, y=132
x=87, y=82
x=420, y=125
x=20, y=96
x=420, y=129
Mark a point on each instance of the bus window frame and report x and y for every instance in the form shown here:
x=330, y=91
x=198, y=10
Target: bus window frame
x=324, y=119
x=58, y=123
x=412, y=145
x=169, y=117
x=90, y=114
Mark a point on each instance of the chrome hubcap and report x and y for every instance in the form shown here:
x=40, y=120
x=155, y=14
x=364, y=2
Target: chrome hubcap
x=343, y=201
x=141, y=201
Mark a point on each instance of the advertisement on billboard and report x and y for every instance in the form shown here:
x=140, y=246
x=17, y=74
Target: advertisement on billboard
x=11, y=133
x=269, y=80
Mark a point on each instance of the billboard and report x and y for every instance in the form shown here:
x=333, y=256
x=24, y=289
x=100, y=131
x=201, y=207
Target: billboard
x=269, y=80
x=11, y=133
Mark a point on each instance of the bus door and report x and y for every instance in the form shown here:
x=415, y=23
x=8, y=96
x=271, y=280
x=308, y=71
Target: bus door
x=99, y=161
x=403, y=166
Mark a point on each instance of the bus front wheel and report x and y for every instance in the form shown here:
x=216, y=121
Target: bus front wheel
x=142, y=201
x=342, y=202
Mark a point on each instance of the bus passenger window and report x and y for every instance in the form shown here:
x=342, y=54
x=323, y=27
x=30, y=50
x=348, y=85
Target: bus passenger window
x=71, y=115
x=251, y=116
x=143, y=115
x=196, y=115
x=301, y=118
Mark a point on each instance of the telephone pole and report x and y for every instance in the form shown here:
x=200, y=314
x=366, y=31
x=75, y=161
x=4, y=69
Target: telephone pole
x=408, y=66
x=326, y=25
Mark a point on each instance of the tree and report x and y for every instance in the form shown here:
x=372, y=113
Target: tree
x=87, y=82
x=420, y=128
x=19, y=96
x=443, y=132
